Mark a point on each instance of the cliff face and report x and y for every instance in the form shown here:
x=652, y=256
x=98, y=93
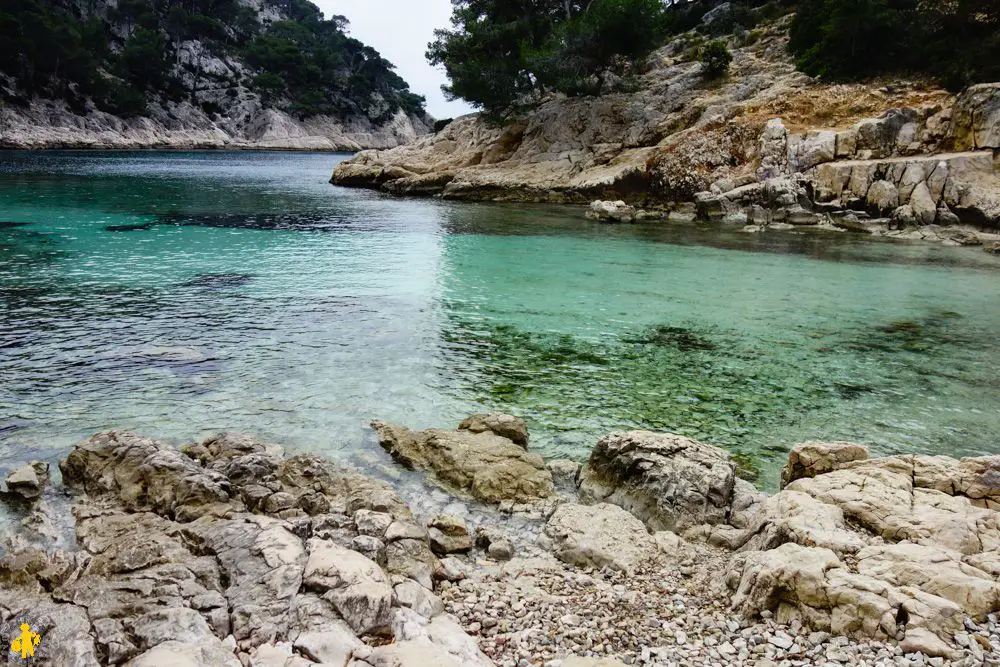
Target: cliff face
x=48, y=123
x=765, y=136
x=196, y=74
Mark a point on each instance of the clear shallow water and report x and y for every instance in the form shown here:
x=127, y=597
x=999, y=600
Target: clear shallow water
x=182, y=293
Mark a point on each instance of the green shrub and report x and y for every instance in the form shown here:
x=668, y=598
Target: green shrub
x=715, y=56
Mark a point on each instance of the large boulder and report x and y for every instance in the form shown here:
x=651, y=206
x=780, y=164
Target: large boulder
x=356, y=586
x=808, y=459
x=489, y=467
x=507, y=426
x=611, y=211
x=668, y=481
x=977, y=117
x=27, y=481
x=142, y=473
x=599, y=536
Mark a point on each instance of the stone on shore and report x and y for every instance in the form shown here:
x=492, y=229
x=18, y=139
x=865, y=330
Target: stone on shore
x=223, y=554
x=448, y=535
x=611, y=211
x=28, y=480
x=809, y=459
x=507, y=426
x=489, y=467
x=599, y=536
x=896, y=548
x=668, y=481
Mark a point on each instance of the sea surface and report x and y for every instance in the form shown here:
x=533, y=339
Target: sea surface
x=179, y=294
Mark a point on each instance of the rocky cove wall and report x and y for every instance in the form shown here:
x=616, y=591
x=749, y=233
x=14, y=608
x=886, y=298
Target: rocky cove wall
x=767, y=136
x=48, y=124
x=653, y=552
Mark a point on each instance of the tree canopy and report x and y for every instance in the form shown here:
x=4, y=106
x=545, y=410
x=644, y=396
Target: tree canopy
x=957, y=41
x=499, y=52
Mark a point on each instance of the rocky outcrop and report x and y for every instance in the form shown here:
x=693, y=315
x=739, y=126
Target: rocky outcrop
x=767, y=147
x=27, y=481
x=487, y=466
x=181, y=125
x=901, y=547
x=809, y=459
x=668, y=481
x=977, y=118
x=228, y=554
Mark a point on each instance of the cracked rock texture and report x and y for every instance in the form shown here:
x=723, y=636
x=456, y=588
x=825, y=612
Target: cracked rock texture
x=228, y=554
x=475, y=459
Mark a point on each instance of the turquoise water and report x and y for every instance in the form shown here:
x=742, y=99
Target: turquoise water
x=182, y=293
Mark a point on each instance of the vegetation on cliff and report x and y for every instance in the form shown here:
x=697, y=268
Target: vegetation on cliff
x=504, y=56
x=957, y=42
x=122, y=55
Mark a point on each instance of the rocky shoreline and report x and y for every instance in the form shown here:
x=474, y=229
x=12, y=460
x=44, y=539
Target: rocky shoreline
x=653, y=552
x=51, y=124
x=766, y=148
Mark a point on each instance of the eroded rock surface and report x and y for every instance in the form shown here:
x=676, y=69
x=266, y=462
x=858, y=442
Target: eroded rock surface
x=474, y=459
x=668, y=481
x=228, y=554
x=902, y=547
x=599, y=536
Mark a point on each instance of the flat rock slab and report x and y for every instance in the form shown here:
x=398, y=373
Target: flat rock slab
x=599, y=536
x=489, y=467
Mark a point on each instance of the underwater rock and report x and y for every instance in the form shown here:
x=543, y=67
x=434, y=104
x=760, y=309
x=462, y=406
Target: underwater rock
x=218, y=281
x=138, y=227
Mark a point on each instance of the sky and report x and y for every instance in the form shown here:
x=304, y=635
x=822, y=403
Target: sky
x=400, y=30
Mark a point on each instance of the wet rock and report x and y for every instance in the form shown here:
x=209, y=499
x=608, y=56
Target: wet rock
x=506, y=426
x=142, y=473
x=668, y=481
x=219, y=281
x=564, y=475
x=448, y=535
x=27, y=481
x=489, y=467
x=500, y=550
x=611, y=211
x=598, y=536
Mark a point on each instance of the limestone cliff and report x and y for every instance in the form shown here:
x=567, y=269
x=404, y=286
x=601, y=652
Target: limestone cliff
x=765, y=145
x=46, y=123
x=198, y=74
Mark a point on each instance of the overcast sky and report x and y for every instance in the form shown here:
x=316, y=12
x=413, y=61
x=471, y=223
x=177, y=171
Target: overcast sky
x=400, y=30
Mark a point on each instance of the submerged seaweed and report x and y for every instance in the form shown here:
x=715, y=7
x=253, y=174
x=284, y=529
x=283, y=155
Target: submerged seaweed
x=138, y=227
x=219, y=280
x=680, y=337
